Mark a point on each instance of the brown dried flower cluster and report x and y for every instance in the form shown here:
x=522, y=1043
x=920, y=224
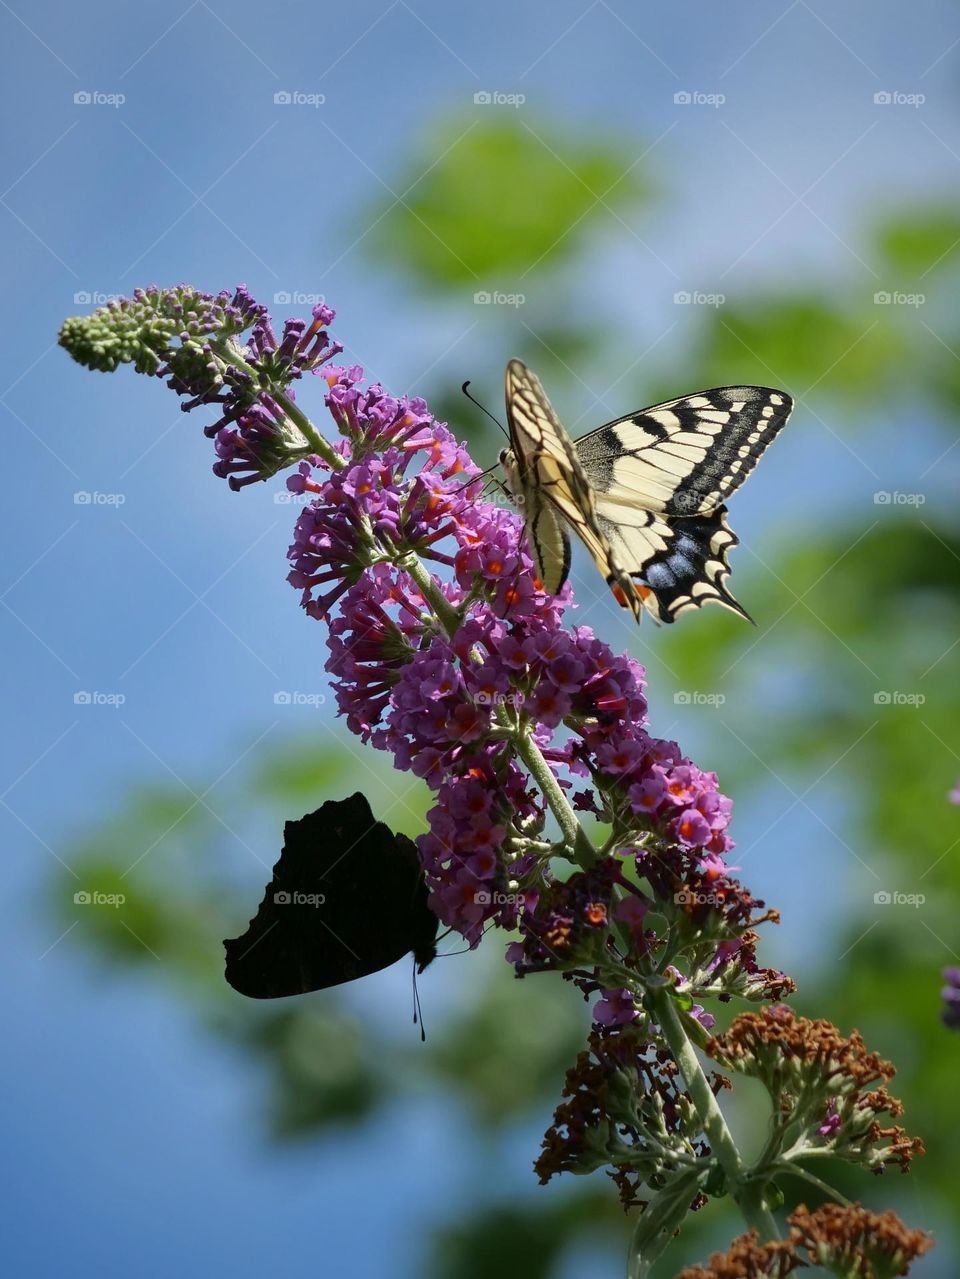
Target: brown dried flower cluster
x=823, y=1080
x=847, y=1240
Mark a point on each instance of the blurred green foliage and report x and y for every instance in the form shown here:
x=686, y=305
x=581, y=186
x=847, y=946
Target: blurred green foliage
x=528, y=1238
x=482, y=203
x=506, y=206
x=862, y=603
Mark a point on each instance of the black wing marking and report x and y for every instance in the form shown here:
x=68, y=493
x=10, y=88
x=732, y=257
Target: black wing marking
x=685, y=456
x=549, y=471
x=682, y=560
x=550, y=546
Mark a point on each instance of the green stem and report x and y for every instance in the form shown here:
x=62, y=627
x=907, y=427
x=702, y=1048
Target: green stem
x=306, y=428
x=750, y=1200
x=748, y=1194
x=573, y=833
x=229, y=352
x=428, y=588
x=830, y=1191
x=657, y=1223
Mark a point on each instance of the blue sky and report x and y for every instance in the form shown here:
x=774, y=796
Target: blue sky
x=176, y=598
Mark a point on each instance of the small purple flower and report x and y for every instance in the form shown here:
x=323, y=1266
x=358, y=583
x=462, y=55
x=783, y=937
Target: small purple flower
x=832, y=1122
x=548, y=705
x=620, y=755
x=951, y=998
x=632, y=911
x=691, y=828
x=706, y=1020
x=616, y=1008
x=646, y=796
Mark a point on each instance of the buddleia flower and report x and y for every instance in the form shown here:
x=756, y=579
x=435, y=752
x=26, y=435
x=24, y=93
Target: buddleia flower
x=446, y=651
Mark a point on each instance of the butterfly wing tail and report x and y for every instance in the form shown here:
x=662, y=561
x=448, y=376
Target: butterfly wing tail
x=677, y=565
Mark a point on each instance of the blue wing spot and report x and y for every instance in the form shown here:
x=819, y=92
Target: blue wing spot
x=659, y=577
x=681, y=567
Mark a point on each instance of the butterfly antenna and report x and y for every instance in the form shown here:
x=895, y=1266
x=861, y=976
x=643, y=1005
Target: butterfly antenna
x=417, y=1010
x=483, y=408
x=448, y=954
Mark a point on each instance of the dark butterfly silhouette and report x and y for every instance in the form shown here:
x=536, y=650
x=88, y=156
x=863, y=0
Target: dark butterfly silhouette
x=347, y=898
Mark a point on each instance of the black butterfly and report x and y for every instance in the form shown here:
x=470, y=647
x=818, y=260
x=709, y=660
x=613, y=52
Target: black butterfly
x=347, y=898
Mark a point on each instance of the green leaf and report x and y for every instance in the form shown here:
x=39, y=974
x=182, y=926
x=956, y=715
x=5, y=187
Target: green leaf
x=801, y=342
x=488, y=200
x=920, y=242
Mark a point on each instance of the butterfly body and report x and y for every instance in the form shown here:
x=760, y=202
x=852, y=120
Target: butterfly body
x=645, y=493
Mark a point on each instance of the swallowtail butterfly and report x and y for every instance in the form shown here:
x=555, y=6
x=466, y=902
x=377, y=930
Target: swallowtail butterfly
x=644, y=493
